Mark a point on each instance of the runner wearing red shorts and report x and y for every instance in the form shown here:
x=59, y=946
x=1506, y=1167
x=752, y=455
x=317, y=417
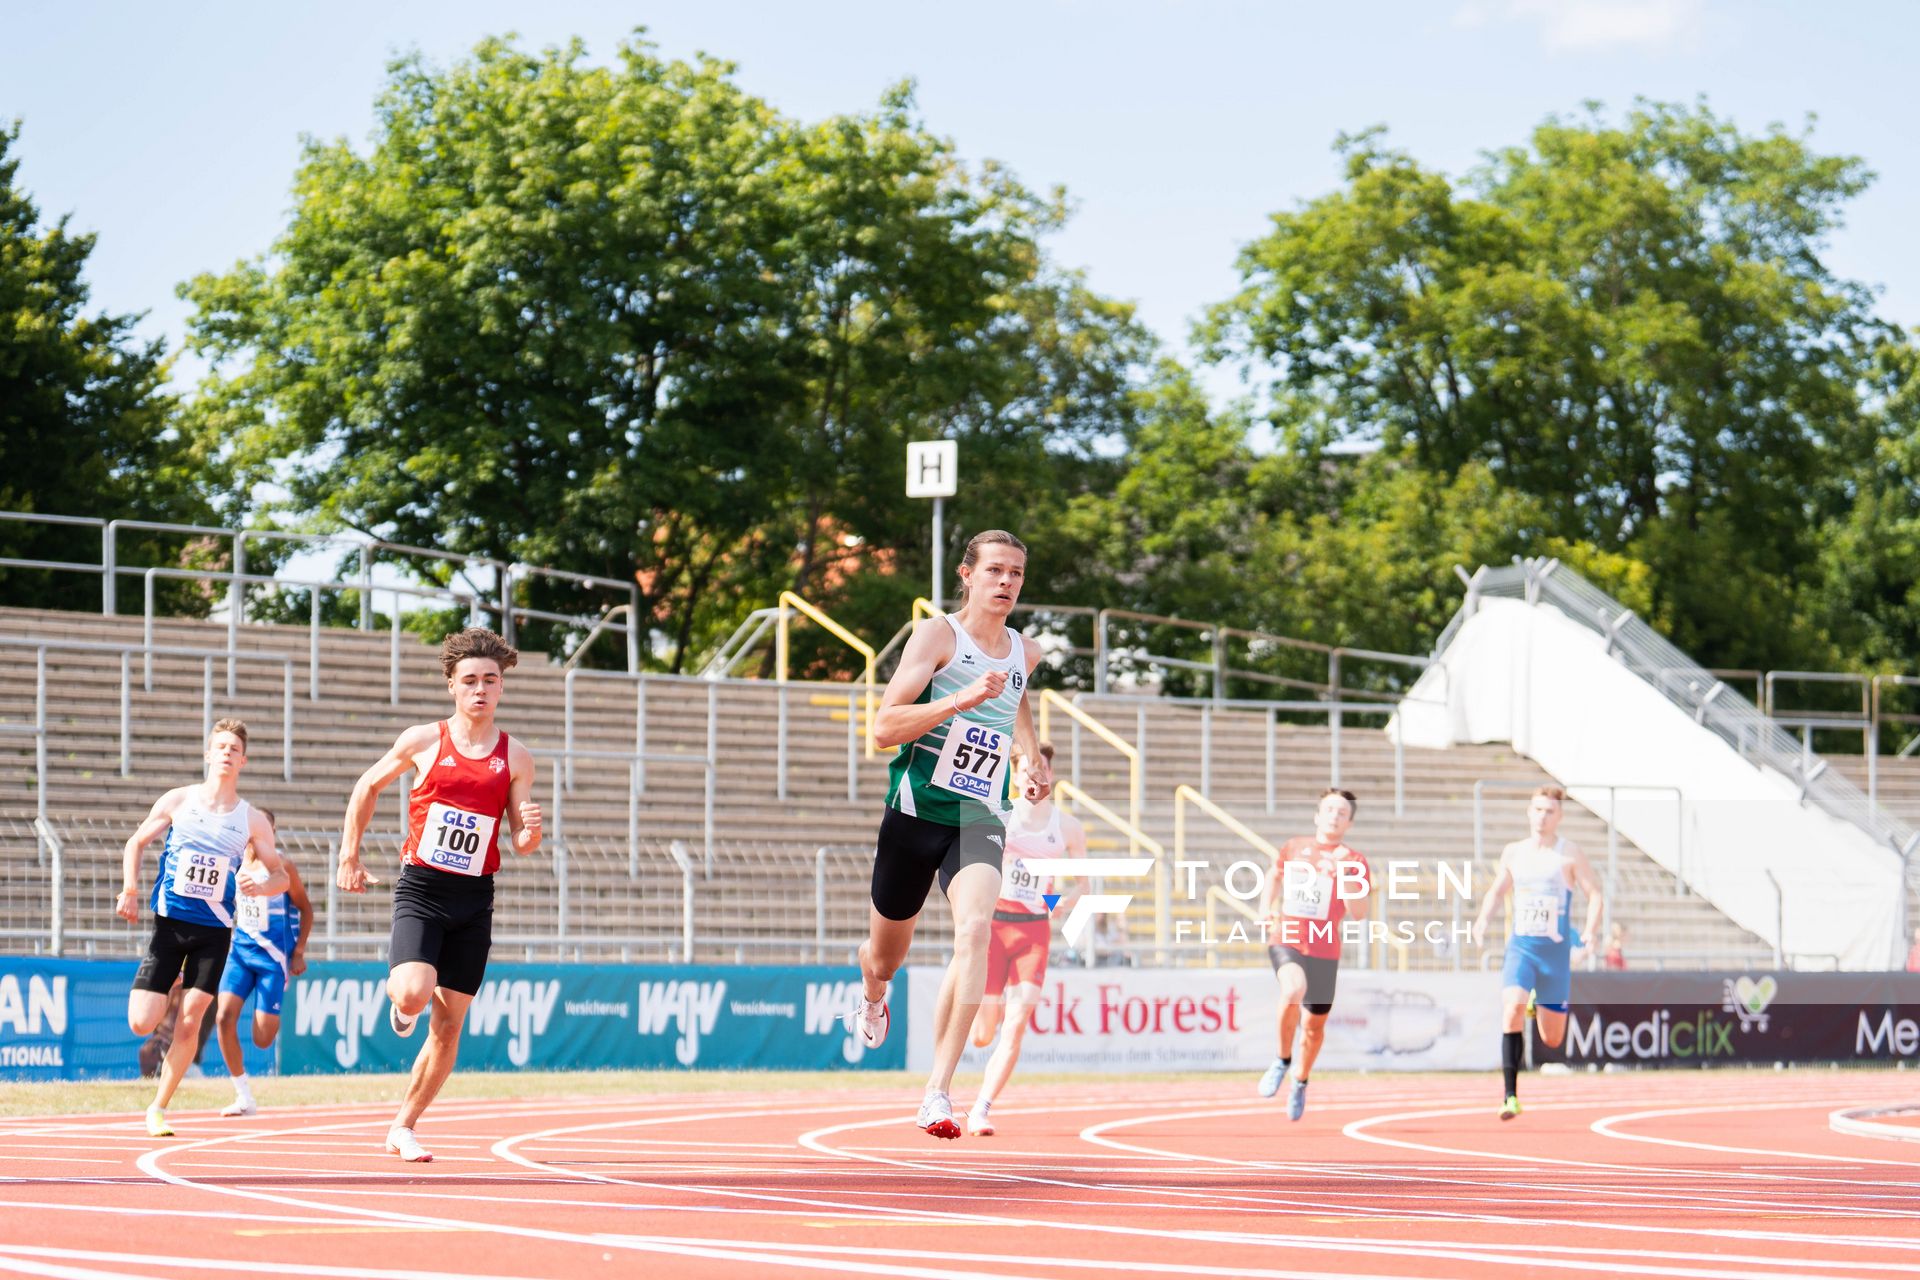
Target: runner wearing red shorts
x=1313, y=885
x=1022, y=931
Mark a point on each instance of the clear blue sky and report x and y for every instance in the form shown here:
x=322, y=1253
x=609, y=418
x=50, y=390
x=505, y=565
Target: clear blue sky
x=173, y=130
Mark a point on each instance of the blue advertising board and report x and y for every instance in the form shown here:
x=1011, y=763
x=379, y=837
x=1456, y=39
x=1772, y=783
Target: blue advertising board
x=67, y=1020
x=596, y=1017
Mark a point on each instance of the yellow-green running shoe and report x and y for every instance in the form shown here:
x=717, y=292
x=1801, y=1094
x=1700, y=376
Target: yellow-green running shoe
x=1510, y=1108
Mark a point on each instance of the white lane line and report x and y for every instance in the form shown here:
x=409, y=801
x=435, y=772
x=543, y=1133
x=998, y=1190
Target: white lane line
x=1858, y=1122
x=1605, y=1128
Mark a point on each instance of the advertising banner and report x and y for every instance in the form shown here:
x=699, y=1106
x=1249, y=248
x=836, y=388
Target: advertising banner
x=594, y=1017
x=1702, y=1019
x=67, y=1020
x=1127, y=1020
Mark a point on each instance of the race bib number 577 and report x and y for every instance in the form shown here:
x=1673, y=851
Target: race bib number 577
x=457, y=841
x=972, y=761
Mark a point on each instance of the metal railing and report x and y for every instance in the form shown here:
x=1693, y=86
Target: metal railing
x=1709, y=700
x=125, y=653
x=506, y=575
x=1049, y=700
x=1613, y=790
x=1211, y=711
x=782, y=651
x=1069, y=795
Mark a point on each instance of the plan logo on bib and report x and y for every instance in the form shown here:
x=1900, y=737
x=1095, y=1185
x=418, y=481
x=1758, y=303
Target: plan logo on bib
x=691, y=1008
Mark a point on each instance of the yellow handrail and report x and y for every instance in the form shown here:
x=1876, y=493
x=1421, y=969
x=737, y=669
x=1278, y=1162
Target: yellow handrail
x=788, y=600
x=1216, y=894
x=1073, y=795
x=923, y=607
x=1162, y=870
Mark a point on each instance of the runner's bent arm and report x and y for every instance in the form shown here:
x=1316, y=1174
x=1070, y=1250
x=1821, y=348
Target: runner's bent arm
x=1026, y=739
x=901, y=718
x=399, y=758
x=1075, y=835
x=1501, y=884
x=1589, y=884
x=523, y=815
x=158, y=819
x=297, y=895
x=260, y=836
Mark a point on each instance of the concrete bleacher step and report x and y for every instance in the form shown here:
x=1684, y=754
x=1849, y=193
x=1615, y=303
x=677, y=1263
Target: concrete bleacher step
x=354, y=720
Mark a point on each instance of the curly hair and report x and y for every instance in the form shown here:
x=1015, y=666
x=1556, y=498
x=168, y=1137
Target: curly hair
x=476, y=642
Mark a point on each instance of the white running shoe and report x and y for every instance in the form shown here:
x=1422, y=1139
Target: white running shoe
x=872, y=1019
x=936, y=1115
x=979, y=1125
x=402, y=1025
x=240, y=1107
x=402, y=1143
x=157, y=1126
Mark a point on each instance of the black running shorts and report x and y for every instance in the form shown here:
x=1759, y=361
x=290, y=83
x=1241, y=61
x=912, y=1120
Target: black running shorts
x=1323, y=972
x=444, y=920
x=911, y=851
x=199, y=951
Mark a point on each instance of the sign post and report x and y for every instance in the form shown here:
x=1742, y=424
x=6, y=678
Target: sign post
x=933, y=471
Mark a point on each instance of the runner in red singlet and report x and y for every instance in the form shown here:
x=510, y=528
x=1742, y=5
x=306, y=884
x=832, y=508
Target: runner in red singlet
x=1022, y=930
x=471, y=777
x=1312, y=887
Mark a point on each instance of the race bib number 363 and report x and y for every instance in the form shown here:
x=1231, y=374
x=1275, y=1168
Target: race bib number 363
x=455, y=840
x=1307, y=897
x=972, y=761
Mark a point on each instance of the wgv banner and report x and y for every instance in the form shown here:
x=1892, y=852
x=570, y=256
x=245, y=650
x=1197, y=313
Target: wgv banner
x=1121, y=1020
x=595, y=1017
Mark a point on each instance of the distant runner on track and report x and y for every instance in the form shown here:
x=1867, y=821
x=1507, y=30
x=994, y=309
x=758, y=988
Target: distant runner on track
x=208, y=828
x=472, y=778
x=1541, y=872
x=1312, y=887
x=269, y=951
x=1022, y=931
x=957, y=708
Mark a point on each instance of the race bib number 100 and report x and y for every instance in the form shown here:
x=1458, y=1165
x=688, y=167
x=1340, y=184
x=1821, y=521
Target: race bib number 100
x=456, y=841
x=201, y=876
x=1536, y=915
x=972, y=761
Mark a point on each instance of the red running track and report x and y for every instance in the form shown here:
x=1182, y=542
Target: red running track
x=1703, y=1174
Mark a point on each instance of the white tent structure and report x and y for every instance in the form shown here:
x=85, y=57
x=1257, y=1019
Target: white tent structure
x=1787, y=848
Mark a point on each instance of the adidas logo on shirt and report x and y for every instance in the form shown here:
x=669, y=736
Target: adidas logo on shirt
x=447, y=763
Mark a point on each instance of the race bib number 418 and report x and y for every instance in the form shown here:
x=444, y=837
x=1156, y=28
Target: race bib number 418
x=201, y=876
x=972, y=761
x=457, y=841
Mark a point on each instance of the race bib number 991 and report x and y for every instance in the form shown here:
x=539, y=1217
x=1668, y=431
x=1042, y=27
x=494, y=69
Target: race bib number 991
x=972, y=761
x=455, y=840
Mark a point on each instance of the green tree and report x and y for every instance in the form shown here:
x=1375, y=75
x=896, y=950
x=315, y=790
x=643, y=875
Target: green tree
x=85, y=428
x=1629, y=324
x=632, y=321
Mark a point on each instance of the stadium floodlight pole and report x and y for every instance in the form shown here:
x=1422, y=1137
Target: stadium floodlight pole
x=933, y=471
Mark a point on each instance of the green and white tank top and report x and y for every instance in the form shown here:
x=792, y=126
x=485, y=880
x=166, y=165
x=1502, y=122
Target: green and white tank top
x=956, y=773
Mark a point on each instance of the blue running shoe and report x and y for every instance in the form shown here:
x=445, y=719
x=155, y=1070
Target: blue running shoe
x=1297, y=1100
x=1270, y=1080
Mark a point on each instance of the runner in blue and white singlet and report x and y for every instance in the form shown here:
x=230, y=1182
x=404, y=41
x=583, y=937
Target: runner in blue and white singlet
x=957, y=707
x=1536, y=980
x=269, y=951
x=208, y=828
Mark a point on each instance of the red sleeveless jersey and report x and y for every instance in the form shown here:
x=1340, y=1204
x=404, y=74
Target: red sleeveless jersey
x=453, y=817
